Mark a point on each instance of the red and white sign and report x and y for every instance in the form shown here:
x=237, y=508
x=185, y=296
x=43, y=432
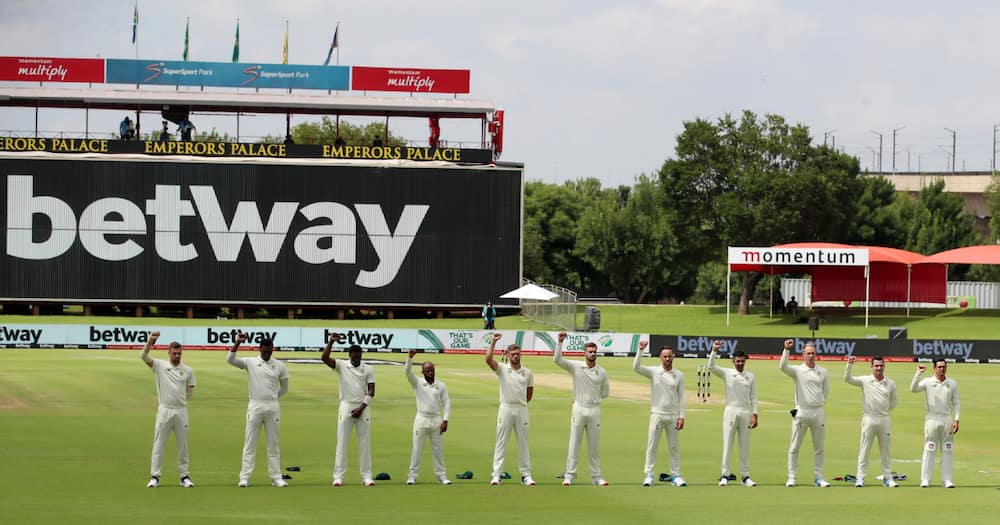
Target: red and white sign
x=410, y=80
x=42, y=69
x=798, y=256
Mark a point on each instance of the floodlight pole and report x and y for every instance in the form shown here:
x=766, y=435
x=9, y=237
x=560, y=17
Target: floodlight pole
x=894, y=148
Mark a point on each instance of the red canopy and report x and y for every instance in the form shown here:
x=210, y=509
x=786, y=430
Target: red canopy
x=985, y=254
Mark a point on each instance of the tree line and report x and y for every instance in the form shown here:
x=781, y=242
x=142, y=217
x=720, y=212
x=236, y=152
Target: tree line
x=737, y=181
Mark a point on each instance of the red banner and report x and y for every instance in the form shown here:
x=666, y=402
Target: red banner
x=410, y=80
x=40, y=69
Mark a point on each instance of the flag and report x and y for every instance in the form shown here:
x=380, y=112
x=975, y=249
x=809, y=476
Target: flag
x=236, y=44
x=135, y=21
x=187, y=26
x=284, y=50
x=333, y=45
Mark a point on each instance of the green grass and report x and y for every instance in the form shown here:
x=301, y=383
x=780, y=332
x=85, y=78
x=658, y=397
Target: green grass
x=76, y=431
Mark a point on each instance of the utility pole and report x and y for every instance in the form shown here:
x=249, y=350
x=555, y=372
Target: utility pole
x=830, y=134
x=993, y=165
x=879, y=150
x=953, y=141
x=894, y=148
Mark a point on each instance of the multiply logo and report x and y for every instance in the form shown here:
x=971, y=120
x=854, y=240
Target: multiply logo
x=43, y=70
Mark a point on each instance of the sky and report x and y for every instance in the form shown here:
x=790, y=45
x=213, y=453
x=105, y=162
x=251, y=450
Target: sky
x=593, y=89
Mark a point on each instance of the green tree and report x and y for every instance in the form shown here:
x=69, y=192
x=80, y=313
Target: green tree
x=325, y=132
x=624, y=235
x=551, y=214
x=877, y=221
x=755, y=182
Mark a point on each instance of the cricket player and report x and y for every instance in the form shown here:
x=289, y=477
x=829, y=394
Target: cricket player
x=740, y=414
x=174, y=387
x=590, y=386
x=431, y=421
x=812, y=386
x=667, y=405
x=517, y=385
x=879, y=398
x=357, y=389
x=939, y=427
x=267, y=380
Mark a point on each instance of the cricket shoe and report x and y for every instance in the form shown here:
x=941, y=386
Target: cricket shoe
x=647, y=481
x=567, y=482
x=153, y=482
x=186, y=482
x=679, y=482
x=527, y=481
x=822, y=483
x=243, y=484
x=411, y=481
x=747, y=482
x=790, y=482
x=495, y=481
x=924, y=483
x=859, y=483
x=890, y=483
x=368, y=482
x=601, y=482
x=444, y=481
x=724, y=481
x=338, y=483
x=279, y=483
x=948, y=484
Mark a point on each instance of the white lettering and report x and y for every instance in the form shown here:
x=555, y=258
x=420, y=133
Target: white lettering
x=341, y=232
x=227, y=241
x=95, y=225
x=391, y=248
x=22, y=206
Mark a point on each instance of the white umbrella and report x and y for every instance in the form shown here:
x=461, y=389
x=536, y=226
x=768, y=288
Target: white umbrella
x=530, y=292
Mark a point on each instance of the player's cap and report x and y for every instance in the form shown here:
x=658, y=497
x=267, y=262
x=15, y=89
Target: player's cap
x=465, y=475
x=382, y=476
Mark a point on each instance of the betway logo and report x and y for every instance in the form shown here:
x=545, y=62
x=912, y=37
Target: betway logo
x=354, y=337
x=42, y=70
x=938, y=348
x=118, y=335
x=704, y=344
x=824, y=347
x=333, y=239
x=20, y=335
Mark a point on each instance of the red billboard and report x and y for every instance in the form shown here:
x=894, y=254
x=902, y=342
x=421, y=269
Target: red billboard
x=410, y=80
x=41, y=69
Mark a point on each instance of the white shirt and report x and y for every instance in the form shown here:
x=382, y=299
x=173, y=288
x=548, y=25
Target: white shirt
x=590, y=384
x=878, y=397
x=741, y=387
x=514, y=384
x=812, y=385
x=942, y=396
x=432, y=398
x=666, y=388
x=172, y=382
x=266, y=380
x=354, y=380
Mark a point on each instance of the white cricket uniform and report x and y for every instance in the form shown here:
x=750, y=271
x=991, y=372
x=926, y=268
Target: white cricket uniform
x=512, y=416
x=942, y=400
x=266, y=382
x=667, y=405
x=812, y=386
x=590, y=386
x=741, y=404
x=879, y=398
x=172, y=383
x=354, y=382
x=433, y=408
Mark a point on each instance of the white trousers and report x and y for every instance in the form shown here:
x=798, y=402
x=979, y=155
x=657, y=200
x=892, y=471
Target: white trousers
x=937, y=435
x=873, y=427
x=813, y=420
x=512, y=419
x=170, y=420
x=659, y=423
x=736, y=426
x=584, y=420
x=363, y=425
x=265, y=414
x=427, y=428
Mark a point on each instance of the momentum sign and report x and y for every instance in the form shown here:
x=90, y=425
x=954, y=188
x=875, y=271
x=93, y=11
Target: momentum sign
x=798, y=256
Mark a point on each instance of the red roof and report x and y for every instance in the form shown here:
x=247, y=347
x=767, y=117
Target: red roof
x=984, y=254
